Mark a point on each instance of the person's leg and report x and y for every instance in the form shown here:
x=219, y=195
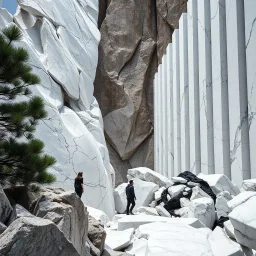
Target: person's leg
x=128, y=206
x=133, y=204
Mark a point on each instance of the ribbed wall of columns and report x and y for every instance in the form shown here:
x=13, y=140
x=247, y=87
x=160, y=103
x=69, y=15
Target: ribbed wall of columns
x=205, y=94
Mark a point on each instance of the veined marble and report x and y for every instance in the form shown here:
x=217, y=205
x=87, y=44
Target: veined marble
x=62, y=39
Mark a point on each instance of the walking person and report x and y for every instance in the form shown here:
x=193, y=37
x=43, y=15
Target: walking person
x=130, y=195
x=79, y=184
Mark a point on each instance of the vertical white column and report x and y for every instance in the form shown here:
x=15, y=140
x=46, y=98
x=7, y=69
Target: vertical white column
x=176, y=102
x=237, y=85
x=184, y=94
x=220, y=87
x=205, y=84
x=194, y=103
x=170, y=134
x=163, y=98
x=155, y=124
x=250, y=35
x=160, y=118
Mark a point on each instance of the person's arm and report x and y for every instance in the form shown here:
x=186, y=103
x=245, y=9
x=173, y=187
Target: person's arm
x=133, y=193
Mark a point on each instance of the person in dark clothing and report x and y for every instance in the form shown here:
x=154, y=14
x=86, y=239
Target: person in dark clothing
x=79, y=184
x=130, y=195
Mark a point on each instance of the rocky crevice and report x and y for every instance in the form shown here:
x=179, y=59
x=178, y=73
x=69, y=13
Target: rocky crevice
x=134, y=36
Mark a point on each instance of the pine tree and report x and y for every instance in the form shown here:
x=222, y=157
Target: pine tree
x=21, y=156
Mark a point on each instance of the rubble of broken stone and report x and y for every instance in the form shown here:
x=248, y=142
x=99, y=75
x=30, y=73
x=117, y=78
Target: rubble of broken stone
x=200, y=215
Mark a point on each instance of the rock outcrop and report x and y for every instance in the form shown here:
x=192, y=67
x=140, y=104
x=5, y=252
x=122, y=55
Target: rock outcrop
x=134, y=36
x=62, y=40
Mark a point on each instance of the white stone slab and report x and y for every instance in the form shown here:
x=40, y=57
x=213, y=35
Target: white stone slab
x=184, y=94
x=220, y=183
x=220, y=88
x=158, y=193
x=229, y=229
x=205, y=85
x=179, y=180
x=182, y=212
x=138, y=247
x=249, y=185
x=162, y=211
x=174, y=239
x=239, y=135
x=148, y=211
x=184, y=202
x=243, y=219
x=222, y=204
x=134, y=221
x=250, y=40
x=98, y=215
x=176, y=102
x=118, y=240
x=194, y=103
x=197, y=192
x=204, y=210
x=222, y=245
x=240, y=199
x=176, y=190
x=147, y=174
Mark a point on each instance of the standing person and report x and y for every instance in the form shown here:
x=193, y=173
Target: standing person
x=79, y=184
x=130, y=197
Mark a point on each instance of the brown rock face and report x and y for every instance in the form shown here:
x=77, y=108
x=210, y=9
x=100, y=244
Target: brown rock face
x=134, y=36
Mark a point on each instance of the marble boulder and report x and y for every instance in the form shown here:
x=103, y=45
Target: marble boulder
x=158, y=193
x=118, y=240
x=148, y=210
x=144, y=192
x=176, y=190
x=162, y=211
x=204, y=210
x=197, y=192
x=229, y=229
x=222, y=245
x=222, y=204
x=98, y=215
x=220, y=183
x=249, y=185
x=18, y=212
x=35, y=236
x=240, y=199
x=147, y=174
x=243, y=219
x=175, y=239
x=138, y=247
x=136, y=221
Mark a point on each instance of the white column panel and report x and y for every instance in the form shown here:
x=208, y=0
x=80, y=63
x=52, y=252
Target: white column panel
x=176, y=103
x=163, y=116
x=156, y=137
x=237, y=85
x=250, y=35
x=194, y=103
x=220, y=87
x=205, y=85
x=170, y=135
x=161, y=109
x=184, y=94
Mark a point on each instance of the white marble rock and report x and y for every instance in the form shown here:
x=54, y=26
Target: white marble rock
x=98, y=215
x=174, y=239
x=175, y=190
x=229, y=229
x=221, y=204
x=243, y=219
x=240, y=199
x=118, y=240
x=144, y=192
x=138, y=247
x=182, y=212
x=222, y=245
x=63, y=50
x=147, y=174
x=220, y=183
x=148, y=210
x=249, y=185
x=135, y=221
x=178, y=180
x=162, y=211
x=184, y=202
x=204, y=210
x=197, y=192
x=158, y=193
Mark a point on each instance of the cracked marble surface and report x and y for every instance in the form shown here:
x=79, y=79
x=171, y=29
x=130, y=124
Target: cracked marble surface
x=62, y=40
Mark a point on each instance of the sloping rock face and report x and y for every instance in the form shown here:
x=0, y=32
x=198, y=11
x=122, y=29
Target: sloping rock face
x=134, y=36
x=62, y=39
